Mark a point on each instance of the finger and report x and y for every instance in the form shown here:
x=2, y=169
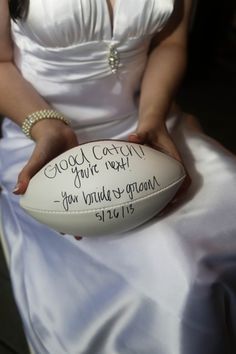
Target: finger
x=168, y=150
x=20, y=187
x=36, y=162
x=166, y=145
x=134, y=138
x=78, y=238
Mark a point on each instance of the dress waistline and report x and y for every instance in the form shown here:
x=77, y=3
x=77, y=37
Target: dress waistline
x=84, y=61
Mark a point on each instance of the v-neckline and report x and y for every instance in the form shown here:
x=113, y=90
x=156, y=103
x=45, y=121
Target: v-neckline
x=111, y=18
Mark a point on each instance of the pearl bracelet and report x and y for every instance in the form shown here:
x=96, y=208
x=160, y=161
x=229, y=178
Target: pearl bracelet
x=35, y=117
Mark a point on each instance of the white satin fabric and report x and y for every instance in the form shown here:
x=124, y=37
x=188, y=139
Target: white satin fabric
x=167, y=287
x=63, y=50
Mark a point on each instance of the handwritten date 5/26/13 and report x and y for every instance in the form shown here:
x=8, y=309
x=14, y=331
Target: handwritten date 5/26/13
x=116, y=213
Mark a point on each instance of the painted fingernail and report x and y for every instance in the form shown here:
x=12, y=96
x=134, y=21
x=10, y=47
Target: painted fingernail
x=16, y=189
x=78, y=238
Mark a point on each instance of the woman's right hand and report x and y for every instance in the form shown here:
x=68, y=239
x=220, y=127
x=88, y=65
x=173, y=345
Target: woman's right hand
x=52, y=137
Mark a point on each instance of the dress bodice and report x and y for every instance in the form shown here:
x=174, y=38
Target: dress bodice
x=65, y=50
x=69, y=22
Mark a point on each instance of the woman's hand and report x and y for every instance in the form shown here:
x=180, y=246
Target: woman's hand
x=157, y=138
x=52, y=138
x=160, y=139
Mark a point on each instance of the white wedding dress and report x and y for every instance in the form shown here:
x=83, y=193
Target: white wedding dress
x=167, y=287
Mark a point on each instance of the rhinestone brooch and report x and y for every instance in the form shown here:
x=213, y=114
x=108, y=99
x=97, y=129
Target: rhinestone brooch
x=113, y=59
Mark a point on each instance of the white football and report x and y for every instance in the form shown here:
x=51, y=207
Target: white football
x=102, y=187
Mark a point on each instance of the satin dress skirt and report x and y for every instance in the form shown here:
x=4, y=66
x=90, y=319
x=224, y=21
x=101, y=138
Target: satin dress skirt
x=167, y=287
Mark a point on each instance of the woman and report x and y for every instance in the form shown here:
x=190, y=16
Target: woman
x=112, y=68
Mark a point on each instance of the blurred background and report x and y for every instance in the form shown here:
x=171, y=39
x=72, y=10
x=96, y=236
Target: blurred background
x=209, y=88
x=208, y=91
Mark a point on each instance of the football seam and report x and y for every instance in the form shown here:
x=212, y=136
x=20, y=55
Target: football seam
x=107, y=207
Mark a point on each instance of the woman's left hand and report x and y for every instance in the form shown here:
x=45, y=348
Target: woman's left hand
x=161, y=140
x=158, y=139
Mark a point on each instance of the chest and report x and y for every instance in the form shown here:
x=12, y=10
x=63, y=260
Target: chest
x=68, y=22
x=110, y=6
